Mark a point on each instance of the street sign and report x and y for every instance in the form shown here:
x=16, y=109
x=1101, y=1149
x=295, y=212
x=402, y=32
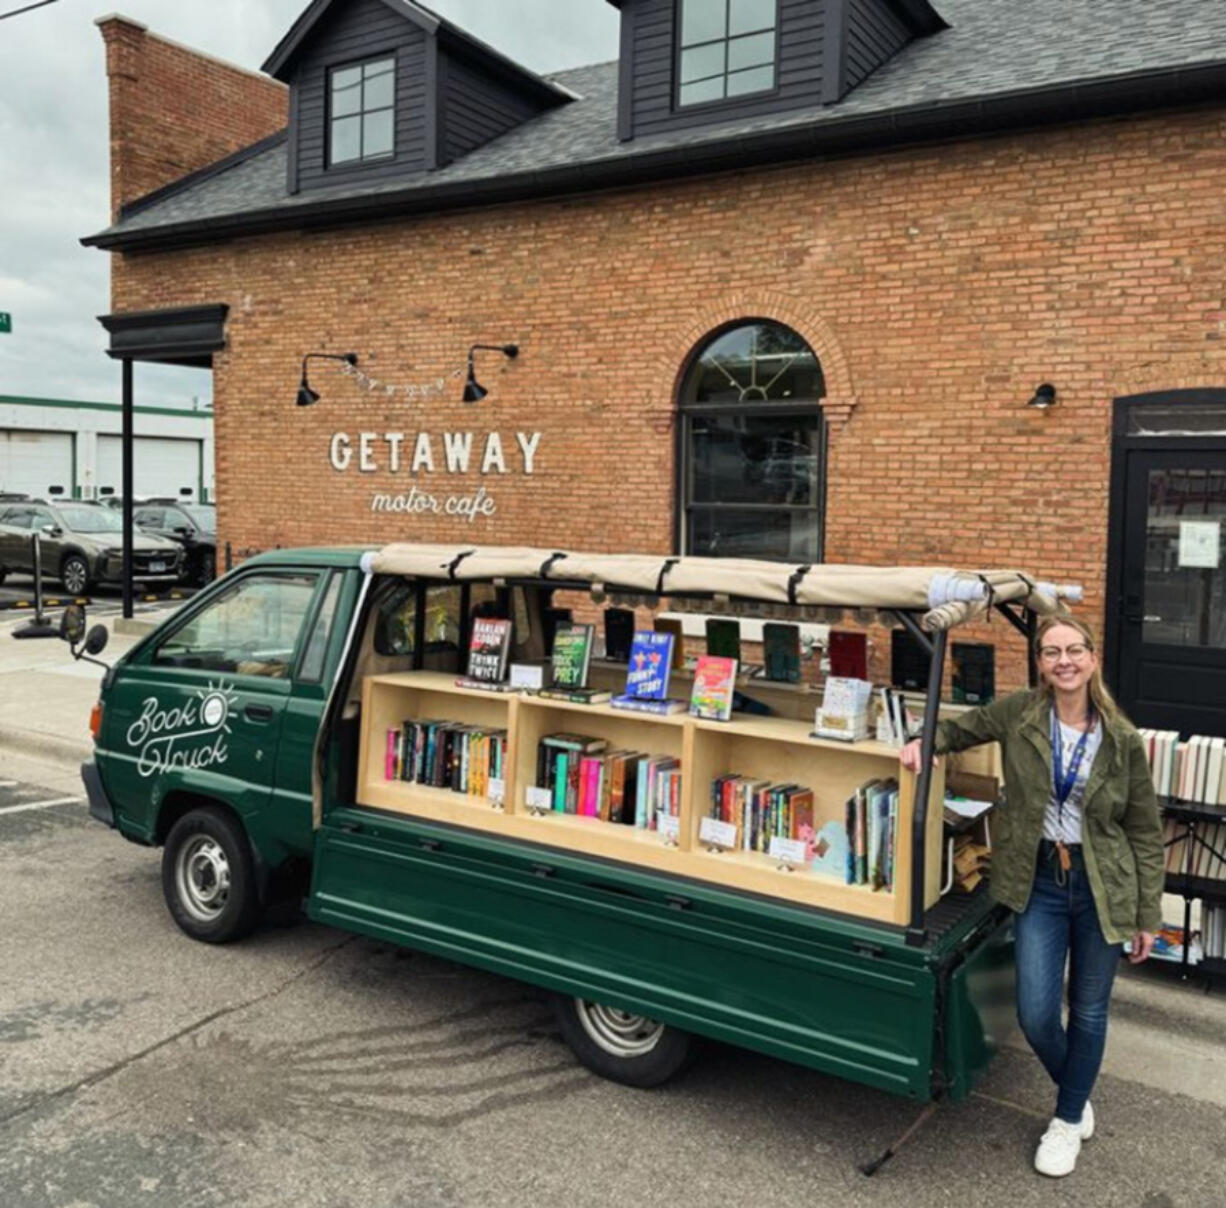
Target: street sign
x=6, y=323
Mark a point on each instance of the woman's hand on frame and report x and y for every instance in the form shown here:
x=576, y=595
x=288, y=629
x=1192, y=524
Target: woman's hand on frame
x=909, y=756
x=1142, y=946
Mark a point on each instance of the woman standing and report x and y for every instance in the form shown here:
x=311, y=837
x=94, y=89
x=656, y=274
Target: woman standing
x=1076, y=852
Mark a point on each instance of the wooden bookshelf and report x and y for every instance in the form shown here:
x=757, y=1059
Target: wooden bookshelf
x=775, y=748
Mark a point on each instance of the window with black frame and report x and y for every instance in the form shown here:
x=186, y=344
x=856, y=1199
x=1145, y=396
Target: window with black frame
x=726, y=49
x=361, y=112
x=752, y=474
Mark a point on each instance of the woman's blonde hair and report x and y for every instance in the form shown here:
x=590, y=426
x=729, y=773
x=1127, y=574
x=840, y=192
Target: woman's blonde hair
x=1102, y=700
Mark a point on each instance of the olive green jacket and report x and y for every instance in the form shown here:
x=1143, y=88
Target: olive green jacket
x=1121, y=827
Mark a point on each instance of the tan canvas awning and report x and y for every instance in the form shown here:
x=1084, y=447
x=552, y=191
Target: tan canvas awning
x=945, y=595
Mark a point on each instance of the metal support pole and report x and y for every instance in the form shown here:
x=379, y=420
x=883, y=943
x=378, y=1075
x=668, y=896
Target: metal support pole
x=127, y=486
x=919, y=813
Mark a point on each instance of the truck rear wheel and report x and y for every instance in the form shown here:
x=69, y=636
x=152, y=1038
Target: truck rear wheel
x=620, y=1045
x=208, y=877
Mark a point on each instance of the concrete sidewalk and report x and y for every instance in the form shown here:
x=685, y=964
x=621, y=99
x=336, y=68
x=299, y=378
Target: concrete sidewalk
x=1166, y=1034
x=46, y=695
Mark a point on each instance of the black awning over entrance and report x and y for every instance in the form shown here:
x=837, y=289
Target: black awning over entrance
x=181, y=335
x=185, y=335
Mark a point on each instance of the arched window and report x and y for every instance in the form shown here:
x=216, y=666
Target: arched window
x=752, y=478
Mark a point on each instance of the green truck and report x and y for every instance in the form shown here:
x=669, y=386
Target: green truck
x=245, y=737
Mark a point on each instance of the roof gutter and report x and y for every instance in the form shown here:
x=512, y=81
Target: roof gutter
x=1064, y=104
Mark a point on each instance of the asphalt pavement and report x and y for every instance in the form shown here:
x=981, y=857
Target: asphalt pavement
x=308, y=1067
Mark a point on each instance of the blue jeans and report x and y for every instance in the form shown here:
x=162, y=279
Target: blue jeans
x=1059, y=922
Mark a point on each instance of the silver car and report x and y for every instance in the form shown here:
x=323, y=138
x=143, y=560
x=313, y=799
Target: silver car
x=82, y=544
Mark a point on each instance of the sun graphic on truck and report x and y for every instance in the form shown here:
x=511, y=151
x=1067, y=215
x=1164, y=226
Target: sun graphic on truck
x=188, y=735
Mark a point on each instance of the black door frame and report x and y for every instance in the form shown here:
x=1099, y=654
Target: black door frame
x=1122, y=444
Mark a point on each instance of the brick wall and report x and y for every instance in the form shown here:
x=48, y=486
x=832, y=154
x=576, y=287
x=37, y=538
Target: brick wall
x=174, y=110
x=938, y=286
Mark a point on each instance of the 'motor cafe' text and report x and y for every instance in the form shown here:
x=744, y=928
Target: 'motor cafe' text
x=427, y=454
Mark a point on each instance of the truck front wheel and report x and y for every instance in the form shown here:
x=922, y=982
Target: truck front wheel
x=620, y=1045
x=208, y=877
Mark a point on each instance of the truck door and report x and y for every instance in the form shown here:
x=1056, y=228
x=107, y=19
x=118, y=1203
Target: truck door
x=201, y=709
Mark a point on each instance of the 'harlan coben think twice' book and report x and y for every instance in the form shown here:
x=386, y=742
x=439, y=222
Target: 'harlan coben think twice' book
x=647, y=677
x=488, y=650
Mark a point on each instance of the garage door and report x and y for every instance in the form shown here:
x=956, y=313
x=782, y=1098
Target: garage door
x=34, y=462
x=161, y=465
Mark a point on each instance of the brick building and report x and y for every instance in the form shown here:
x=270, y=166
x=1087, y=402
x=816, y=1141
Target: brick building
x=784, y=281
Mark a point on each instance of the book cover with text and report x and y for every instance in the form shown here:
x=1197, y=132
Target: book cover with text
x=714, y=685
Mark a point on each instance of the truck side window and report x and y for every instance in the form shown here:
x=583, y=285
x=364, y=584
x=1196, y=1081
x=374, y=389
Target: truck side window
x=312, y=669
x=398, y=618
x=251, y=629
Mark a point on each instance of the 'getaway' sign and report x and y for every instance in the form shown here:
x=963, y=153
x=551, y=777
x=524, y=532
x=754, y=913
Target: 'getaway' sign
x=423, y=455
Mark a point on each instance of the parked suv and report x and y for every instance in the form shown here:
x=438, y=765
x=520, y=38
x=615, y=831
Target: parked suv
x=192, y=525
x=82, y=544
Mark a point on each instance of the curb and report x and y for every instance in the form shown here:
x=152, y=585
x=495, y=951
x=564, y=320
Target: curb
x=134, y=626
x=45, y=747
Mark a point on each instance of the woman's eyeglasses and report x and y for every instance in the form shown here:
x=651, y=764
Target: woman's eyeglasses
x=1051, y=654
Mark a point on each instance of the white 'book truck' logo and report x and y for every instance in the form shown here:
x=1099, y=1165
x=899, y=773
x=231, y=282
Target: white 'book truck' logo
x=189, y=735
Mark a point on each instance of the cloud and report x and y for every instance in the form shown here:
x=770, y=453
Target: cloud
x=54, y=160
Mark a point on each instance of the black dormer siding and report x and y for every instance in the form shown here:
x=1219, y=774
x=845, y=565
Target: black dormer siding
x=476, y=108
x=362, y=29
x=875, y=33
x=649, y=74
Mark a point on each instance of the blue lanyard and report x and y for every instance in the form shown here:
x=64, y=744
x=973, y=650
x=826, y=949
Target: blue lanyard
x=1062, y=783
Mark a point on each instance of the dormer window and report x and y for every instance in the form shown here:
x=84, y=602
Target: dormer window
x=727, y=48
x=361, y=109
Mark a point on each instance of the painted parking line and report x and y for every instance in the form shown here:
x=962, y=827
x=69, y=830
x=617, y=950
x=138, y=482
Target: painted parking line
x=39, y=805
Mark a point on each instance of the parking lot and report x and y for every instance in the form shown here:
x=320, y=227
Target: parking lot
x=306, y=1066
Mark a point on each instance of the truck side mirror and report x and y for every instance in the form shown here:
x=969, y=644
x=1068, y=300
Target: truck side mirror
x=96, y=639
x=72, y=624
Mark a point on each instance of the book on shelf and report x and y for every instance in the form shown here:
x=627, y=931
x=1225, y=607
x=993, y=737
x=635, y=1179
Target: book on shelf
x=575, y=696
x=974, y=672
x=781, y=652
x=640, y=704
x=445, y=754
x=572, y=655
x=480, y=685
x=714, y=687
x=489, y=647
x=560, y=768
x=724, y=637
x=1192, y=771
x=847, y=651
x=672, y=625
x=618, y=634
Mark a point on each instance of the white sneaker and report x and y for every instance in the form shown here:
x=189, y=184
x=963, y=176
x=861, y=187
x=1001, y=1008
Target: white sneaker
x=1058, y=1150
x=1087, y=1122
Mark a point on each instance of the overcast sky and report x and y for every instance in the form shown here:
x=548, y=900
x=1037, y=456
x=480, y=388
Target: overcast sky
x=54, y=169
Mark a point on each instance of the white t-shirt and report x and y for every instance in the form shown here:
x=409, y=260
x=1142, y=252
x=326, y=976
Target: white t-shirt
x=1068, y=830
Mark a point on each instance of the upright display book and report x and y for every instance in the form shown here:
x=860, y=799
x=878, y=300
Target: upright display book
x=572, y=655
x=643, y=704
x=781, y=652
x=974, y=673
x=618, y=634
x=724, y=637
x=714, y=685
x=488, y=649
x=648, y=674
x=848, y=654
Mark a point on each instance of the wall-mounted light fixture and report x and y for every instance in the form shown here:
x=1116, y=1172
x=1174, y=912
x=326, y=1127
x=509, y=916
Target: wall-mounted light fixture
x=474, y=392
x=1044, y=397
x=307, y=396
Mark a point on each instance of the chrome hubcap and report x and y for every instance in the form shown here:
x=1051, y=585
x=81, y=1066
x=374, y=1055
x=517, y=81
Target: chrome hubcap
x=74, y=577
x=618, y=1032
x=202, y=876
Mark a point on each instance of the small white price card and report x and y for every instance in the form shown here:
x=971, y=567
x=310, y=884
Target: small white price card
x=717, y=833
x=669, y=826
x=788, y=851
x=538, y=798
x=497, y=790
x=1200, y=543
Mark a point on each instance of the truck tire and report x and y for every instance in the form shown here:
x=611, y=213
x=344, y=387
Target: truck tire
x=620, y=1045
x=208, y=877
x=74, y=575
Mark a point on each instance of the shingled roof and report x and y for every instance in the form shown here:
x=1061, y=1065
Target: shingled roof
x=1002, y=64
